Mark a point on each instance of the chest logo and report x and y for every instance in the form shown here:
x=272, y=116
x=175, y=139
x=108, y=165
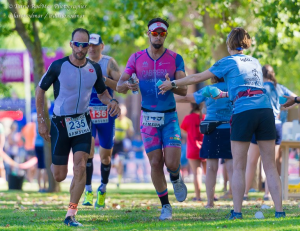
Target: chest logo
x=145, y=64
x=91, y=70
x=160, y=63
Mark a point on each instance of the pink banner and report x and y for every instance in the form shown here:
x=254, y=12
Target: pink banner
x=12, y=65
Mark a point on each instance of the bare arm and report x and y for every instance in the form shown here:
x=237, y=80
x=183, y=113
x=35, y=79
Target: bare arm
x=39, y=102
x=189, y=98
x=181, y=90
x=188, y=80
x=114, y=72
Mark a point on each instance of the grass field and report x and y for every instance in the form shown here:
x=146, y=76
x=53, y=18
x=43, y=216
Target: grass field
x=134, y=207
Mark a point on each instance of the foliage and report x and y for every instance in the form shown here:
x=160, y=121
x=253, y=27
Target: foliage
x=273, y=25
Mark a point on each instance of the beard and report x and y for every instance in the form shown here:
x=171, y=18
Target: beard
x=78, y=57
x=156, y=46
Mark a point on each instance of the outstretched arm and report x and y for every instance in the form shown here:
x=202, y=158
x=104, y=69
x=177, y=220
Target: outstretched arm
x=189, y=98
x=188, y=80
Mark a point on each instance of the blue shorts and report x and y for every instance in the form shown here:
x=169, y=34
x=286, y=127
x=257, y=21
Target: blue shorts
x=216, y=145
x=167, y=135
x=39, y=152
x=106, y=133
x=278, y=135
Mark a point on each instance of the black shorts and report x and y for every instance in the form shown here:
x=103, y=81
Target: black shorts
x=61, y=143
x=118, y=148
x=278, y=135
x=260, y=122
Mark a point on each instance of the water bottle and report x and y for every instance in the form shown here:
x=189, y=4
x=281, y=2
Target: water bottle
x=132, y=80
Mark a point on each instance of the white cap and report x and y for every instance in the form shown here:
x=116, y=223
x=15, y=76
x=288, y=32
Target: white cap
x=95, y=39
x=157, y=25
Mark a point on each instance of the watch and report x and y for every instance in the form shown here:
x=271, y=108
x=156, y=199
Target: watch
x=174, y=84
x=104, y=79
x=114, y=100
x=296, y=101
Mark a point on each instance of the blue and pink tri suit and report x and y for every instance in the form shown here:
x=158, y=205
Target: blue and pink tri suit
x=149, y=72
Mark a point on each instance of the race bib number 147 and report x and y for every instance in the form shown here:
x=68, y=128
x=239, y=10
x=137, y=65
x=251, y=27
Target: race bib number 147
x=153, y=119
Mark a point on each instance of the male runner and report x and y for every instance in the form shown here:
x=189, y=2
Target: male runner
x=159, y=122
x=101, y=122
x=73, y=79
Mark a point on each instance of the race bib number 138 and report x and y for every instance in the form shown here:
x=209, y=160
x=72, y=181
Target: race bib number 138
x=77, y=126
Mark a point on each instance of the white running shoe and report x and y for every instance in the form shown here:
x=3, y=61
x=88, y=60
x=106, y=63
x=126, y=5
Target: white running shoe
x=180, y=189
x=166, y=213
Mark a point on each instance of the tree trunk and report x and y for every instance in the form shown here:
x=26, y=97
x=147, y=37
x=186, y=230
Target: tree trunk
x=221, y=50
x=35, y=48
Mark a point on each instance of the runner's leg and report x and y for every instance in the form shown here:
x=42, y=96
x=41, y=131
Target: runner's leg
x=210, y=181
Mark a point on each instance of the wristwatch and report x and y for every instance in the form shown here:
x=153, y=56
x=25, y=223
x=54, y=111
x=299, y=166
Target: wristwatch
x=104, y=79
x=296, y=101
x=114, y=100
x=174, y=84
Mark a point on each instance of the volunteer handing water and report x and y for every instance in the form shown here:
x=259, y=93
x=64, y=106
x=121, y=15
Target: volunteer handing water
x=252, y=114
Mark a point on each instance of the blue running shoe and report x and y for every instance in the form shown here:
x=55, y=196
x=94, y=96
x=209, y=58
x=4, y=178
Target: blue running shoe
x=234, y=215
x=279, y=214
x=70, y=221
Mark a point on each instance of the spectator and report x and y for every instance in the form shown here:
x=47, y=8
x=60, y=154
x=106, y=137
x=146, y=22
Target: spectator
x=191, y=125
x=138, y=148
x=2, y=142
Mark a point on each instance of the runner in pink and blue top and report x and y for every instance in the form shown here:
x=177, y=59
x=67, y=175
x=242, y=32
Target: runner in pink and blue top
x=159, y=121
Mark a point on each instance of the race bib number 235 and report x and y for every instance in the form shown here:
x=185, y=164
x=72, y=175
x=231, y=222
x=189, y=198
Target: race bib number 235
x=77, y=126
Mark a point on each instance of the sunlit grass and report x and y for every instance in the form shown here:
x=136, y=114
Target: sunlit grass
x=134, y=207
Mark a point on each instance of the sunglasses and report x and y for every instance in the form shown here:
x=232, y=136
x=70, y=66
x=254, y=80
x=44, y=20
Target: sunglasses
x=78, y=44
x=155, y=34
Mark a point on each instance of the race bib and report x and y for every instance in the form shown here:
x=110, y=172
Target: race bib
x=153, y=119
x=99, y=114
x=77, y=126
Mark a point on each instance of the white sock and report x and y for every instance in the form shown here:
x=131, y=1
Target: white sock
x=88, y=188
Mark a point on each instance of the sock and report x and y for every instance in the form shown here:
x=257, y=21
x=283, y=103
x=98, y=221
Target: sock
x=102, y=188
x=105, y=171
x=174, y=175
x=72, y=210
x=89, y=171
x=88, y=188
x=163, y=196
x=119, y=178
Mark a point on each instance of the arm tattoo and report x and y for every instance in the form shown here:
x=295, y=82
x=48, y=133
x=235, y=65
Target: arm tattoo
x=113, y=66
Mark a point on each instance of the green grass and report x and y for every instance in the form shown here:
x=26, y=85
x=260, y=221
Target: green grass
x=29, y=210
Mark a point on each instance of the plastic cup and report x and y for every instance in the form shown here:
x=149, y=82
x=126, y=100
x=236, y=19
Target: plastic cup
x=159, y=82
x=205, y=92
x=214, y=91
x=282, y=100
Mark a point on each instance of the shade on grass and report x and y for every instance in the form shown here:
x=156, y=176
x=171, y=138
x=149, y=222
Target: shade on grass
x=136, y=207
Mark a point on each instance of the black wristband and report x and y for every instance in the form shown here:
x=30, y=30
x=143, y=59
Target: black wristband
x=296, y=101
x=114, y=100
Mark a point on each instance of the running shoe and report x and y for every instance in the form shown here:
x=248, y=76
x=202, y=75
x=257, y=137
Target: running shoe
x=100, y=202
x=70, y=221
x=180, y=189
x=235, y=216
x=88, y=198
x=279, y=214
x=166, y=213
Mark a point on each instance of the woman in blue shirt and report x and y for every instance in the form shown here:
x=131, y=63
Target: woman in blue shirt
x=216, y=145
x=252, y=114
x=274, y=91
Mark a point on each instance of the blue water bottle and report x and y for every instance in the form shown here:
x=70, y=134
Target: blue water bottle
x=132, y=80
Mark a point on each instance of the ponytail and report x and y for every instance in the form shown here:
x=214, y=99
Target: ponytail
x=268, y=73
